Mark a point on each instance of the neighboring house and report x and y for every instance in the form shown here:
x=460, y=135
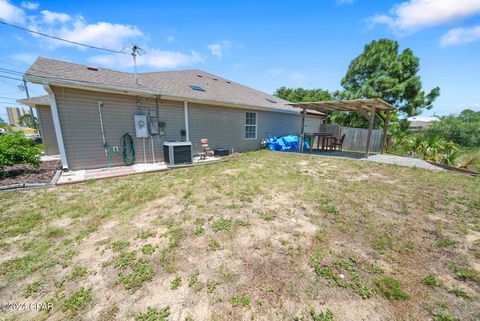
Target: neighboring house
x=189, y=105
x=47, y=129
x=418, y=122
x=14, y=115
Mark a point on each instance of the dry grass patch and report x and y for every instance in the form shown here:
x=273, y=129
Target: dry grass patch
x=268, y=236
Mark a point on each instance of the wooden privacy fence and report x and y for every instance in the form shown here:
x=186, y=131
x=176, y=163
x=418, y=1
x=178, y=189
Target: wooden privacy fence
x=356, y=138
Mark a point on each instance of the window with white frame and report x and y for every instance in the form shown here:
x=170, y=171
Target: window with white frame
x=250, y=125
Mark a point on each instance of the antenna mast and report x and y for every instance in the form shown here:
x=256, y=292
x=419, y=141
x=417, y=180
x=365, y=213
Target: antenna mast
x=136, y=50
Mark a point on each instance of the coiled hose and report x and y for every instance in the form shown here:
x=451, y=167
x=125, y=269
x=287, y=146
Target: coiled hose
x=128, y=149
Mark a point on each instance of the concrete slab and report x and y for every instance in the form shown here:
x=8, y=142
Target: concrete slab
x=86, y=174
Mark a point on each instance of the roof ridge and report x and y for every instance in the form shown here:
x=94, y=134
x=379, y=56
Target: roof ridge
x=82, y=65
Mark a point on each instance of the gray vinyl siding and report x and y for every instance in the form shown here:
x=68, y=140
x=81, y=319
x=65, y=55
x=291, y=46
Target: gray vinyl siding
x=81, y=129
x=223, y=126
x=47, y=129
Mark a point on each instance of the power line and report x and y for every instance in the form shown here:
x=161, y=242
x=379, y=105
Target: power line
x=3, y=97
x=6, y=77
x=60, y=39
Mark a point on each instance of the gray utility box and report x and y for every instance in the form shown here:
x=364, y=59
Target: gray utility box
x=177, y=153
x=141, y=129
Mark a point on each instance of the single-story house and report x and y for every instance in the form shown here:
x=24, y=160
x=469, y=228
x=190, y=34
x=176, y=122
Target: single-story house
x=90, y=105
x=419, y=122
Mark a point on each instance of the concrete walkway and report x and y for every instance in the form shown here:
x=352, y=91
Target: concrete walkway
x=403, y=161
x=378, y=158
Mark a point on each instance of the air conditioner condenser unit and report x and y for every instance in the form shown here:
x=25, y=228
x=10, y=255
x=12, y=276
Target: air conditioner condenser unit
x=177, y=153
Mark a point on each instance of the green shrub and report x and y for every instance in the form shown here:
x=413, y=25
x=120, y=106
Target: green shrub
x=16, y=149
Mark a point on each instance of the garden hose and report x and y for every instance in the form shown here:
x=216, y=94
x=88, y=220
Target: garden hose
x=128, y=149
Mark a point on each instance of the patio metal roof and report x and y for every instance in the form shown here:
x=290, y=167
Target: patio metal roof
x=357, y=105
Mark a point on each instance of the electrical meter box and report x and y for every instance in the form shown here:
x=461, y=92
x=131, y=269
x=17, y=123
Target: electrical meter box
x=153, y=122
x=141, y=127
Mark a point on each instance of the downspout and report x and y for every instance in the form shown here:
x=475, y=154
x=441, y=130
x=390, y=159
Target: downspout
x=57, y=126
x=187, y=129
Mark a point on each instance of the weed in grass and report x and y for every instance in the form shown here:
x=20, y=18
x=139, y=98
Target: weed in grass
x=446, y=242
x=213, y=245
x=266, y=216
x=78, y=272
x=460, y=292
x=167, y=254
x=148, y=249
x=431, y=280
x=322, y=315
x=331, y=209
x=141, y=272
x=211, y=286
x=59, y=283
x=55, y=232
x=199, y=231
x=78, y=300
x=440, y=316
x=376, y=269
x=243, y=299
x=464, y=273
x=390, y=288
x=118, y=246
x=145, y=234
x=193, y=278
x=124, y=259
x=222, y=225
x=153, y=314
x=175, y=283
x=224, y=271
x=32, y=288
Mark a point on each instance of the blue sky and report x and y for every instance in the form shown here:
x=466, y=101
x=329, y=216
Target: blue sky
x=262, y=44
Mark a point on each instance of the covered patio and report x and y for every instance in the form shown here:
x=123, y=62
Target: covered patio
x=369, y=108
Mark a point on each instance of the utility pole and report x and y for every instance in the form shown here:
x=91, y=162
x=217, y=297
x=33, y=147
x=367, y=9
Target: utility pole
x=32, y=117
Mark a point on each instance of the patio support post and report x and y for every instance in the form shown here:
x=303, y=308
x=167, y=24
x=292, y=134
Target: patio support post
x=371, y=118
x=385, y=127
x=302, y=131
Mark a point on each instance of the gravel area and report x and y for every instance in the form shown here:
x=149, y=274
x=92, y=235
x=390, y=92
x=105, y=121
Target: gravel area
x=403, y=161
x=19, y=174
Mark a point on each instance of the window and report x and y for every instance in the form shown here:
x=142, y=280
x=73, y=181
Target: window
x=270, y=100
x=198, y=88
x=250, y=125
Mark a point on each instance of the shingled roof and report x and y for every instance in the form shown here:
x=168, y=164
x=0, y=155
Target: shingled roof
x=164, y=83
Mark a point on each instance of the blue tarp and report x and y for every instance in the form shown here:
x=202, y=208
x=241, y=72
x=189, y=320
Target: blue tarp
x=289, y=142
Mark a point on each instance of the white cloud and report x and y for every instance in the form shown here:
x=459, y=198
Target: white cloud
x=218, y=49
x=153, y=58
x=27, y=58
x=102, y=34
x=459, y=36
x=11, y=13
x=30, y=5
x=50, y=17
x=412, y=15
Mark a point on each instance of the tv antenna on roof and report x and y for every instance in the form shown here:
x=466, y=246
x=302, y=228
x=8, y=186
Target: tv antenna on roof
x=136, y=51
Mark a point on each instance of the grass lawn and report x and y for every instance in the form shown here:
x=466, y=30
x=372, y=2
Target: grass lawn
x=264, y=236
